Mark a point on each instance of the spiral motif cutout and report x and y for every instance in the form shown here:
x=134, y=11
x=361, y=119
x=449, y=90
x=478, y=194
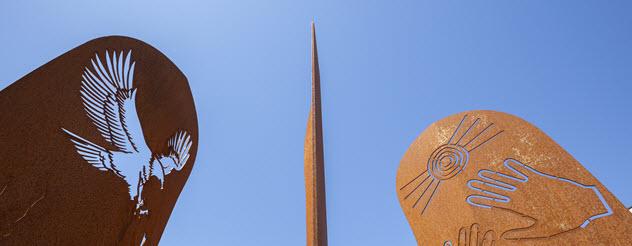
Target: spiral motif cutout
x=447, y=161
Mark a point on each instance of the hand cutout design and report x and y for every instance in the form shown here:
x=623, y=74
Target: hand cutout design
x=472, y=236
x=495, y=190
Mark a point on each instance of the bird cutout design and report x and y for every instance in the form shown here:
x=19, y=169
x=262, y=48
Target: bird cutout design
x=446, y=162
x=109, y=100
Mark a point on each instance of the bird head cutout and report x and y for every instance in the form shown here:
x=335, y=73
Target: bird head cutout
x=97, y=146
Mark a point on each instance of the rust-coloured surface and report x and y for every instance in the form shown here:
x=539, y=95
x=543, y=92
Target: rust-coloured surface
x=314, y=161
x=489, y=178
x=50, y=194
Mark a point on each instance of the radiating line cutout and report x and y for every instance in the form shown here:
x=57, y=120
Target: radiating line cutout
x=446, y=162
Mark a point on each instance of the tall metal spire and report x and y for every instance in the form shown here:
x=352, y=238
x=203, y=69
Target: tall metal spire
x=314, y=161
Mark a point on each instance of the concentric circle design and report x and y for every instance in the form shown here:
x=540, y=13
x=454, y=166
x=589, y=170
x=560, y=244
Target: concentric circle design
x=447, y=161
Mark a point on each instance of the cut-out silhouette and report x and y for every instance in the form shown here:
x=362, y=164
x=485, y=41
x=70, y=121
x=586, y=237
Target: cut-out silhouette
x=503, y=191
x=446, y=162
x=67, y=188
x=109, y=99
x=473, y=236
x=486, y=195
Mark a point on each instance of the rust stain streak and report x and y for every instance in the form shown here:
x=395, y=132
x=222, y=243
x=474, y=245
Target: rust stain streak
x=29, y=208
x=3, y=189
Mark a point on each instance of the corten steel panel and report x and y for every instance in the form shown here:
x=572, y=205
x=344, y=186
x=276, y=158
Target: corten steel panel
x=316, y=212
x=52, y=193
x=484, y=177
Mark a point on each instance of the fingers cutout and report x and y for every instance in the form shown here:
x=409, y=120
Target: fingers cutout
x=482, y=201
x=501, y=179
x=474, y=234
x=518, y=168
x=493, y=185
x=489, y=238
x=491, y=191
x=462, y=237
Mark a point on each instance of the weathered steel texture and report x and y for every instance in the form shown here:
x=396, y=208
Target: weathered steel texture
x=314, y=161
x=484, y=177
x=49, y=194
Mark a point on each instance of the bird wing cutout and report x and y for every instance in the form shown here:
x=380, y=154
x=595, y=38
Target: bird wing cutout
x=109, y=99
x=96, y=155
x=179, y=145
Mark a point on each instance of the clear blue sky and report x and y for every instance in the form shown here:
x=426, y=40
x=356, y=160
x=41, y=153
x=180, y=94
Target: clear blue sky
x=389, y=69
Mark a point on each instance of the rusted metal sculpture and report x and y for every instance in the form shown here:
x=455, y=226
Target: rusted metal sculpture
x=96, y=147
x=489, y=178
x=314, y=161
